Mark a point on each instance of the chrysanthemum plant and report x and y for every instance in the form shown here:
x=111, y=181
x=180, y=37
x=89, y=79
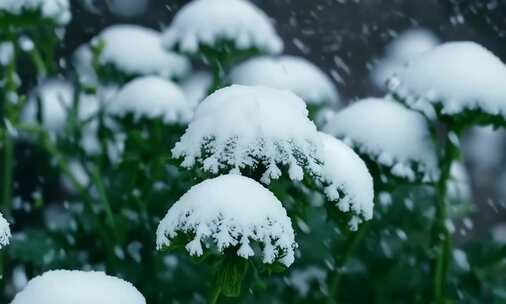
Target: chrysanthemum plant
x=442, y=85
x=220, y=33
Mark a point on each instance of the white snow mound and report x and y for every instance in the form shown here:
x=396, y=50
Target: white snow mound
x=151, y=97
x=459, y=76
x=291, y=73
x=231, y=210
x=347, y=180
x=78, y=287
x=390, y=134
x=138, y=50
x=58, y=10
x=209, y=22
x=405, y=47
x=242, y=127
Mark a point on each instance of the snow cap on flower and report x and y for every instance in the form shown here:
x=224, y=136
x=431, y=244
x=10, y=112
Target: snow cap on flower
x=405, y=47
x=56, y=100
x=242, y=127
x=57, y=10
x=211, y=22
x=137, y=50
x=390, y=134
x=228, y=211
x=5, y=232
x=78, y=287
x=456, y=77
x=151, y=97
x=291, y=73
x=347, y=180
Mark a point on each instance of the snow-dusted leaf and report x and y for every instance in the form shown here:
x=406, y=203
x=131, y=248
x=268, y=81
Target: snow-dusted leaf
x=228, y=211
x=78, y=287
x=390, y=134
x=209, y=22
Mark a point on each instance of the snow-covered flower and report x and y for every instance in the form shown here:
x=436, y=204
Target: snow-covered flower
x=211, y=23
x=197, y=86
x=453, y=79
x=136, y=50
x=261, y=131
x=5, y=232
x=245, y=128
x=57, y=10
x=390, y=134
x=78, y=287
x=229, y=211
x=347, y=180
x=151, y=97
x=291, y=73
x=56, y=99
x=405, y=47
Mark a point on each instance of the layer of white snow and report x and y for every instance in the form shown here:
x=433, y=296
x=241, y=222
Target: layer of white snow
x=78, y=287
x=197, y=86
x=240, y=127
x=56, y=98
x=138, y=50
x=151, y=97
x=457, y=75
x=390, y=134
x=58, y=10
x=209, y=22
x=287, y=73
x=231, y=210
x=405, y=47
x=345, y=171
x=5, y=232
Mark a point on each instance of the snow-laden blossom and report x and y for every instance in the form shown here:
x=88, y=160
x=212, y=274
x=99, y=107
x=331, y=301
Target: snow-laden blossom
x=241, y=127
x=229, y=211
x=5, y=232
x=405, y=47
x=196, y=87
x=347, y=179
x=452, y=79
x=212, y=22
x=57, y=10
x=291, y=73
x=151, y=97
x=78, y=287
x=136, y=50
x=390, y=134
x=56, y=100
x=265, y=132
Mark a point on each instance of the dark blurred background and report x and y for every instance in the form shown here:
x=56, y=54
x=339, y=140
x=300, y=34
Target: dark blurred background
x=345, y=38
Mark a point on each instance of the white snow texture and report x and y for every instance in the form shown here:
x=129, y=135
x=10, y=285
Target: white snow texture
x=138, y=50
x=291, y=73
x=151, y=97
x=78, y=287
x=459, y=76
x=231, y=210
x=58, y=10
x=5, y=232
x=209, y=22
x=390, y=134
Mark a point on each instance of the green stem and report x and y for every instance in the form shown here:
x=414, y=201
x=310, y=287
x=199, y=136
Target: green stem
x=441, y=238
x=215, y=295
x=351, y=244
x=97, y=180
x=7, y=167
